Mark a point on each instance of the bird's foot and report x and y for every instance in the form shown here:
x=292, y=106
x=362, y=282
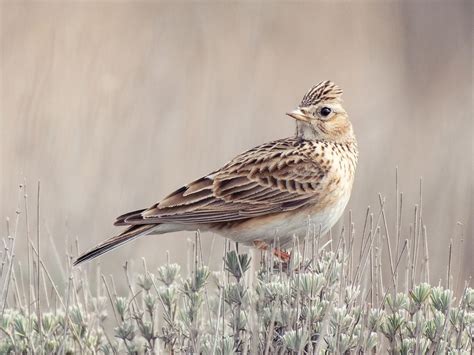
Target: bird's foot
x=283, y=256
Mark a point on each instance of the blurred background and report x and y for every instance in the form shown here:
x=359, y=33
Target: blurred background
x=112, y=105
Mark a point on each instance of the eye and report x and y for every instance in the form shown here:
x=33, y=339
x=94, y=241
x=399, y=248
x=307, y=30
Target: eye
x=325, y=111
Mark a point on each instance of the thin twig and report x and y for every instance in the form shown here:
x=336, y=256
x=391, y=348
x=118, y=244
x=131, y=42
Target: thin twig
x=38, y=263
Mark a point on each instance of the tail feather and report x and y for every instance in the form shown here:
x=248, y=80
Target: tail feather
x=128, y=235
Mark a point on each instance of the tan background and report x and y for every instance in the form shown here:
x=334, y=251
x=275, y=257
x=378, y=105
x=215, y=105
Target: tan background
x=113, y=104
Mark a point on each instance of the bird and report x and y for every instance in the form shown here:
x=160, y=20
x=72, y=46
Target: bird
x=268, y=193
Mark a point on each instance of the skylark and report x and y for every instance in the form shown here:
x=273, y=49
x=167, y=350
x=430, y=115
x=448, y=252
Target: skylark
x=267, y=193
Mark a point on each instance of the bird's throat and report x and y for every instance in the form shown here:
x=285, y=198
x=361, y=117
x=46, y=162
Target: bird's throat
x=305, y=131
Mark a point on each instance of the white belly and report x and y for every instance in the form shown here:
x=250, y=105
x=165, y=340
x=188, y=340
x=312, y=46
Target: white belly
x=285, y=227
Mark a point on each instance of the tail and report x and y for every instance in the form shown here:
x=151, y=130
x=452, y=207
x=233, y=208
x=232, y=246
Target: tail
x=127, y=235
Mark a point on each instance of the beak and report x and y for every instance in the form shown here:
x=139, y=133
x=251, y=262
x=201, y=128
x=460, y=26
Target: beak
x=299, y=115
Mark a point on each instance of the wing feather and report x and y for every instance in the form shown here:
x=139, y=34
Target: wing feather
x=120, y=220
x=272, y=178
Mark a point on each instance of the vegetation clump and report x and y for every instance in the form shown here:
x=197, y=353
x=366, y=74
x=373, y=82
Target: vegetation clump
x=329, y=298
x=312, y=309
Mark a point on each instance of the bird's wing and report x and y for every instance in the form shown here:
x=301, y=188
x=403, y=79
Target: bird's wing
x=278, y=176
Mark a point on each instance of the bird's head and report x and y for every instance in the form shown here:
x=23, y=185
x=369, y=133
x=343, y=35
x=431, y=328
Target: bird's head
x=320, y=115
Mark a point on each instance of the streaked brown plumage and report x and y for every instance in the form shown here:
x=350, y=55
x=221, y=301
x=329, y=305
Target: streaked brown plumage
x=267, y=192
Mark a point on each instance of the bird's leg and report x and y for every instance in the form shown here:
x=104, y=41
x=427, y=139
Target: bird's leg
x=280, y=254
x=260, y=245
